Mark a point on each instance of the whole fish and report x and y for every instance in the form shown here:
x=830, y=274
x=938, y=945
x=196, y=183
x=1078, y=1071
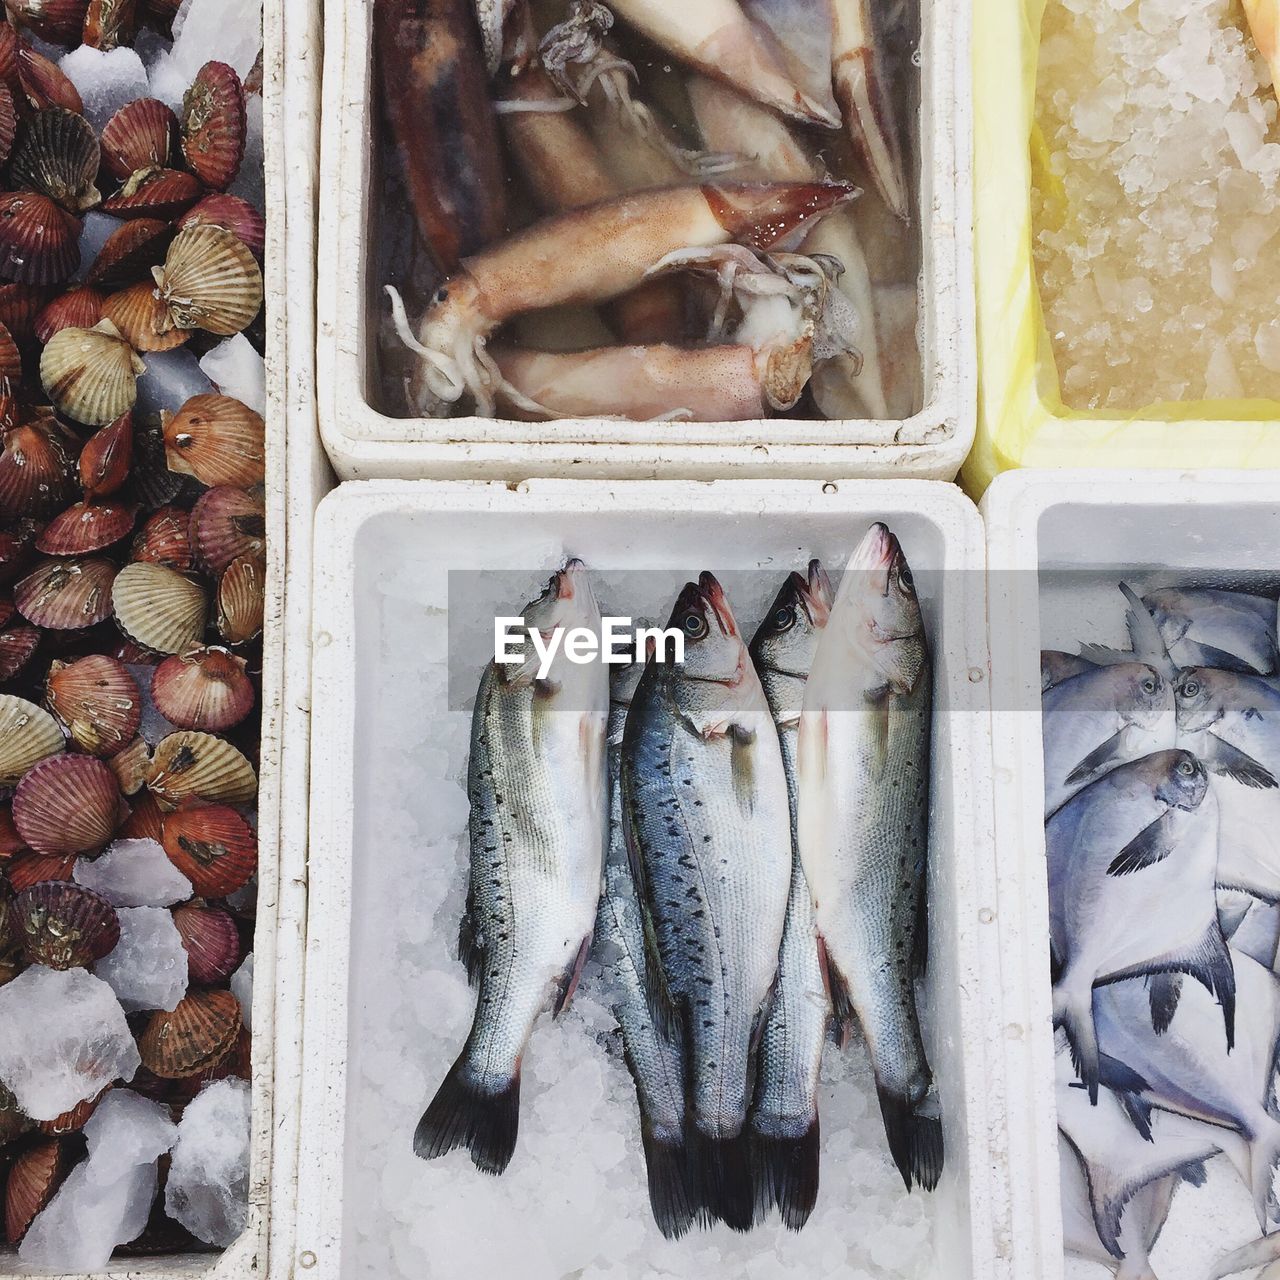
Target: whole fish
x=538, y=831
x=1188, y=1068
x=1131, y=863
x=1232, y=722
x=863, y=830
x=705, y=804
x=1057, y=666
x=784, y=1115
x=655, y=1055
x=1095, y=721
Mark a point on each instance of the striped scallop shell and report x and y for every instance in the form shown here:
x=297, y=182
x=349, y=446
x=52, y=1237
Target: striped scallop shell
x=18, y=645
x=231, y=213
x=159, y=608
x=143, y=319
x=20, y=304
x=129, y=253
x=204, y=688
x=189, y=765
x=197, y=1035
x=60, y=21
x=65, y=926
x=68, y=804
x=87, y=527
x=66, y=595
x=98, y=700
x=241, y=600
x=139, y=136
x=91, y=374
x=44, y=84
x=217, y=439
x=28, y=734
x=155, y=193
x=39, y=240
x=213, y=846
x=108, y=23
x=35, y=470
x=132, y=767
x=210, y=280
x=78, y=308
x=35, y=868
x=8, y=120
x=146, y=822
x=211, y=940
x=214, y=126
x=57, y=153
x=33, y=1179
x=105, y=458
x=227, y=524
x=165, y=539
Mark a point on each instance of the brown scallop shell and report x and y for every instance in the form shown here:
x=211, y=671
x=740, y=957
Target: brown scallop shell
x=35, y=868
x=91, y=374
x=138, y=136
x=241, y=600
x=7, y=608
x=165, y=539
x=153, y=482
x=214, y=125
x=35, y=470
x=28, y=735
x=189, y=765
x=8, y=120
x=143, y=319
x=129, y=252
x=97, y=700
x=59, y=21
x=158, y=607
x=231, y=213
x=227, y=524
x=68, y=804
x=8, y=53
x=78, y=308
x=105, y=458
x=74, y=1120
x=203, y=689
x=132, y=766
x=237, y=1065
x=44, y=84
x=213, y=846
x=11, y=843
x=39, y=240
x=34, y=1177
x=18, y=645
x=57, y=153
x=211, y=940
x=197, y=1035
x=146, y=822
x=110, y=22
x=155, y=193
x=63, y=925
x=66, y=595
x=17, y=542
x=217, y=439
x=20, y=304
x=210, y=280
x=87, y=527
x=10, y=359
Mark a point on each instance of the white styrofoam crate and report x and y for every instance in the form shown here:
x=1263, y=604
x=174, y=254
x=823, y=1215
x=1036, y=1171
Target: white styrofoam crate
x=364, y=443
x=1095, y=528
x=368, y=532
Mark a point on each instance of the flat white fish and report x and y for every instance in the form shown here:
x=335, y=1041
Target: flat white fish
x=1232, y=722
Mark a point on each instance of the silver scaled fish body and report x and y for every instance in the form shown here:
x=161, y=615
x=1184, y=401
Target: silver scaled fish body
x=538, y=831
x=863, y=809
x=705, y=799
x=784, y=1114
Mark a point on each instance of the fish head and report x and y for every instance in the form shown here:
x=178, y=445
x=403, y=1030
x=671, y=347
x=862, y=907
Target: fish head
x=1144, y=697
x=567, y=604
x=713, y=646
x=1180, y=779
x=787, y=638
x=1199, y=697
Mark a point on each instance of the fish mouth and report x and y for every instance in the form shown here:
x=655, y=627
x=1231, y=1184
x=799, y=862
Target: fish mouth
x=713, y=593
x=570, y=577
x=876, y=552
x=815, y=593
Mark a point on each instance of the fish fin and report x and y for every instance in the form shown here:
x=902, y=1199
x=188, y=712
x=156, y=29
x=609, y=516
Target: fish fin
x=1145, y=635
x=1220, y=757
x=465, y=1114
x=720, y=1177
x=879, y=725
x=671, y=1198
x=470, y=952
x=1075, y=1017
x=843, y=1014
x=1155, y=842
x=1249, y=1257
x=1211, y=656
x=785, y=1173
x=1210, y=965
x=920, y=943
x=1164, y=990
x=1102, y=655
x=572, y=975
x=1127, y=1086
x=915, y=1140
x=1195, y=1174
x=1098, y=758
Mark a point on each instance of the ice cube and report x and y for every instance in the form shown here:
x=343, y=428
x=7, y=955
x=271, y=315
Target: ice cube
x=94, y=230
x=250, y=182
x=227, y=31
x=134, y=873
x=106, y=80
x=127, y=1130
x=65, y=1039
x=87, y=1219
x=242, y=989
x=171, y=379
x=167, y=81
x=236, y=369
x=208, y=1187
x=147, y=969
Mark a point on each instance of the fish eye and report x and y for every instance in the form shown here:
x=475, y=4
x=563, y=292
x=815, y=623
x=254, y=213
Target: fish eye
x=1190, y=688
x=694, y=625
x=906, y=580
x=1186, y=767
x=1149, y=685
x=784, y=618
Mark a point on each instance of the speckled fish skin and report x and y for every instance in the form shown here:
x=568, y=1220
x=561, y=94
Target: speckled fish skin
x=705, y=798
x=784, y=1115
x=655, y=1055
x=538, y=833
x=863, y=781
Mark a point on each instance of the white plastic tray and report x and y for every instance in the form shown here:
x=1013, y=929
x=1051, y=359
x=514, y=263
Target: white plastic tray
x=367, y=624
x=364, y=443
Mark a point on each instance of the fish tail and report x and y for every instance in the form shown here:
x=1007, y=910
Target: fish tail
x=785, y=1171
x=720, y=1175
x=1075, y=1016
x=915, y=1140
x=671, y=1193
x=1254, y=1254
x=471, y=1113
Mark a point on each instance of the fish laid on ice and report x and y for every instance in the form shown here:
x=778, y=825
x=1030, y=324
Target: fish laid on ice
x=1131, y=862
x=705, y=804
x=863, y=818
x=538, y=830
x=784, y=1114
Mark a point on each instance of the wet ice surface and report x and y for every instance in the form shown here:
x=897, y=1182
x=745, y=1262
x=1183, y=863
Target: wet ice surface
x=242, y=988
x=1154, y=231
x=147, y=968
x=171, y=379
x=134, y=873
x=574, y=1200
x=236, y=369
x=106, y=80
x=208, y=1186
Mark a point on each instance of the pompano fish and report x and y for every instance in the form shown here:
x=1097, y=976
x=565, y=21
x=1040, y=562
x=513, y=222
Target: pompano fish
x=862, y=826
x=655, y=1055
x=1095, y=721
x=1057, y=666
x=705, y=804
x=784, y=1115
x=1188, y=1068
x=538, y=832
x=1232, y=722
x=1131, y=863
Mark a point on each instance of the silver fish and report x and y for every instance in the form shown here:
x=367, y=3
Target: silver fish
x=784, y=1115
x=705, y=803
x=1188, y=1069
x=538, y=831
x=1232, y=722
x=1102, y=718
x=1057, y=666
x=863, y=815
x=1131, y=862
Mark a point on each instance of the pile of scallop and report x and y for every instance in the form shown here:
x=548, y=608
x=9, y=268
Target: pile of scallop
x=132, y=572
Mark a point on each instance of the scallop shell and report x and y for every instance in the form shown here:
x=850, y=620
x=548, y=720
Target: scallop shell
x=139, y=136
x=16, y=543
x=203, y=689
x=155, y=193
x=44, y=84
x=231, y=213
x=87, y=527
x=213, y=846
x=79, y=308
x=66, y=595
x=217, y=439
x=129, y=252
x=68, y=804
x=143, y=319
x=132, y=766
x=109, y=22
x=153, y=482
x=36, y=868
x=74, y=1120
x=210, y=280
x=98, y=701
x=18, y=645
x=60, y=21
x=105, y=458
x=241, y=600
x=8, y=120
x=7, y=608
x=146, y=822
x=28, y=735
x=165, y=539
x=197, y=1035
x=64, y=925
x=35, y=470
x=57, y=153
x=33, y=1178
x=11, y=843
x=20, y=304
x=191, y=765
x=8, y=53
x=159, y=608
x=211, y=940
x=39, y=240
x=214, y=125
x=91, y=374
x=227, y=524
